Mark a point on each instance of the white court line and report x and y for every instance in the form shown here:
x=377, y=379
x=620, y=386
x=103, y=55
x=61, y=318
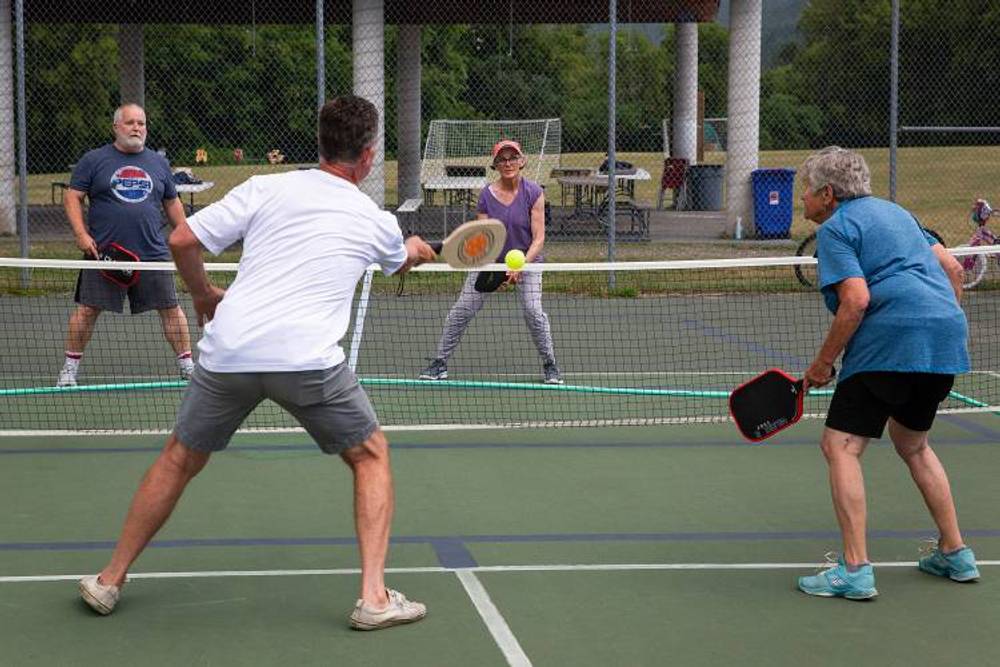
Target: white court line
x=494, y=620
x=407, y=428
x=567, y=567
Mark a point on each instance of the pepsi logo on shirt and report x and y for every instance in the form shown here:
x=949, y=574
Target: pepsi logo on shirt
x=131, y=184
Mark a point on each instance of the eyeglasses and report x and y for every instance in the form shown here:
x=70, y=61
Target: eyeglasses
x=508, y=160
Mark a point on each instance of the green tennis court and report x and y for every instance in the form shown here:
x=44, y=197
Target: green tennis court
x=655, y=536
x=631, y=545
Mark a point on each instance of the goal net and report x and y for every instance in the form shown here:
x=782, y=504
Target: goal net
x=463, y=147
x=713, y=135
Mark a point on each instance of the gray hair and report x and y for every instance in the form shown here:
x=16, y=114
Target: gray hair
x=117, y=117
x=843, y=170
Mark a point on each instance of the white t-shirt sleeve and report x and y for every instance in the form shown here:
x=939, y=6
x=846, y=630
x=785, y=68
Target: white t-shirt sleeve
x=389, y=244
x=225, y=222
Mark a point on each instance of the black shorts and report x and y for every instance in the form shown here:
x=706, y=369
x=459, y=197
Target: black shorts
x=154, y=291
x=863, y=403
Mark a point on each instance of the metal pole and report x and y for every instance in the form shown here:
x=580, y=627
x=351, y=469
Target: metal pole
x=612, y=126
x=320, y=55
x=22, y=139
x=893, y=98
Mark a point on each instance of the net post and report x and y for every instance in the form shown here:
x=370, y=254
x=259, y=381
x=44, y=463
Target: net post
x=612, y=128
x=359, y=319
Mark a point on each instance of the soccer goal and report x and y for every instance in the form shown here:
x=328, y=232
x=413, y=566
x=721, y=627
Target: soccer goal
x=713, y=135
x=462, y=148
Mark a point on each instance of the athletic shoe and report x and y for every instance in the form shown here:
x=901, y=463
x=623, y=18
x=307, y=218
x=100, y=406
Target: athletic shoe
x=67, y=378
x=958, y=565
x=552, y=374
x=99, y=597
x=838, y=581
x=436, y=370
x=186, y=367
x=399, y=611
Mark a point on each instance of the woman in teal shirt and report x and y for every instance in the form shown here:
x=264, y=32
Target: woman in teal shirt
x=894, y=292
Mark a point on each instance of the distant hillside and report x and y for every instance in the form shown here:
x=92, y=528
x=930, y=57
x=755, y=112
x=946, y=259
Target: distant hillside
x=779, y=25
x=781, y=17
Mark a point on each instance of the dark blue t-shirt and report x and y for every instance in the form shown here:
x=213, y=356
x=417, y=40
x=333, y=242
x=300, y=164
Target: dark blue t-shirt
x=126, y=192
x=913, y=322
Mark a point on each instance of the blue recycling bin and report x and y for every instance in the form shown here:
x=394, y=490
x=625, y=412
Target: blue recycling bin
x=772, y=202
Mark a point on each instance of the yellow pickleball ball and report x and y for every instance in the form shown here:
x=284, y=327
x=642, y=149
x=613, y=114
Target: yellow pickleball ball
x=514, y=259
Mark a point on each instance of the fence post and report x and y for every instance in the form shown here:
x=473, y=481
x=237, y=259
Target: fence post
x=893, y=98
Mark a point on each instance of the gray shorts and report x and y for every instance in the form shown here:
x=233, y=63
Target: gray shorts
x=154, y=291
x=328, y=403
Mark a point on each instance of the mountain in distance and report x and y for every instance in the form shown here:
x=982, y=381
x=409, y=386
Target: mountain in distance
x=779, y=25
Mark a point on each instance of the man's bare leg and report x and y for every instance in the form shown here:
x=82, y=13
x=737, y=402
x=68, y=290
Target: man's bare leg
x=152, y=505
x=373, y=507
x=81, y=328
x=175, y=329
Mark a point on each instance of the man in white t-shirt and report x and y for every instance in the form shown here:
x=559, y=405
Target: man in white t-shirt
x=308, y=237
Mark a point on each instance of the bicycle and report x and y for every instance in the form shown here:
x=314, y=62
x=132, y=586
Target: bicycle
x=806, y=273
x=974, y=266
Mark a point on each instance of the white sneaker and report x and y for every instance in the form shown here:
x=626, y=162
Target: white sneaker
x=67, y=378
x=186, y=367
x=399, y=611
x=99, y=597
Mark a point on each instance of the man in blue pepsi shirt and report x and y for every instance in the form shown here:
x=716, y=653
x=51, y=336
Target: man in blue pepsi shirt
x=126, y=184
x=894, y=292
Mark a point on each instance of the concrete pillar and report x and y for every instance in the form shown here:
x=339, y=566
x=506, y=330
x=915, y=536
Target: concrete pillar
x=8, y=154
x=685, y=139
x=369, y=81
x=743, y=124
x=131, y=64
x=320, y=55
x=408, y=112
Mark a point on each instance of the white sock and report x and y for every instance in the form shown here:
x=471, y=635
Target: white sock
x=185, y=362
x=72, y=363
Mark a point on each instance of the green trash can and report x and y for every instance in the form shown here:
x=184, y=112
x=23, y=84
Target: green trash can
x=704, y=187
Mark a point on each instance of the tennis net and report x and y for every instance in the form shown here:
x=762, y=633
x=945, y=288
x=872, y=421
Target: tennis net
x=637, y=343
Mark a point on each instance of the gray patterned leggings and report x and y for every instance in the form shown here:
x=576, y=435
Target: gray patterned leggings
x=529, y=292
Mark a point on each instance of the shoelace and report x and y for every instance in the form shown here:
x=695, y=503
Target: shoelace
x=929, y=546
x=832, y=559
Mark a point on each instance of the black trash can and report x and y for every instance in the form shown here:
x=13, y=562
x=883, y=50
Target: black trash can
x=704, y=187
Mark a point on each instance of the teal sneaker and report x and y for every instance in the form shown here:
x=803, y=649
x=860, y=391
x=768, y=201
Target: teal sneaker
x=958, y=565
x=837, y=582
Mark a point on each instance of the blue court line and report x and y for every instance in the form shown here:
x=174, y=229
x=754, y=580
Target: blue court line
x=746, y=344
x=452, y=551
x=970, y=426
x=989, y=437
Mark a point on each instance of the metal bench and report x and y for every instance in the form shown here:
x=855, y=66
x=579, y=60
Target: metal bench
x=408, y=208
x=61, y=187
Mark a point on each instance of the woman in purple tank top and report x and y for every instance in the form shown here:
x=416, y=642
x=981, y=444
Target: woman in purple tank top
x=520, y=205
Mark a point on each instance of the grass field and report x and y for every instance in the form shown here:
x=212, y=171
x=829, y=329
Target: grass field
x=938, y=184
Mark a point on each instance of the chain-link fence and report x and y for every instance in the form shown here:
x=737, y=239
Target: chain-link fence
x=949, y=115
x=231, y=90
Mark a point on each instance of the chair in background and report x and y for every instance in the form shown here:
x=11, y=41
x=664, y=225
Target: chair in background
x=673, y=178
